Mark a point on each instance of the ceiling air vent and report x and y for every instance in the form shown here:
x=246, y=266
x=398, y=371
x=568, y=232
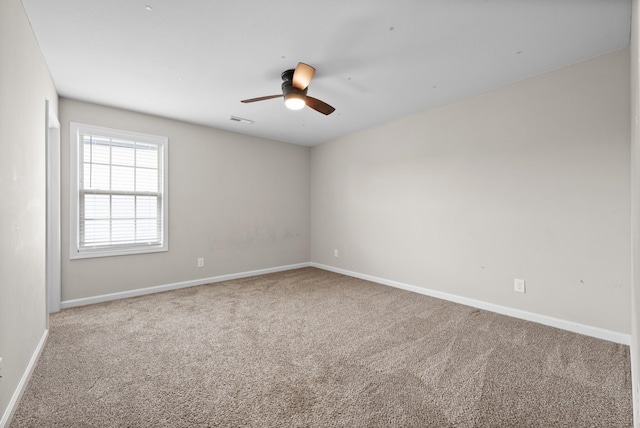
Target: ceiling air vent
x=241, y=120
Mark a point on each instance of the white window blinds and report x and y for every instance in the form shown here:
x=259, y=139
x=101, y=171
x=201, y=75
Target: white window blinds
x=121, y=192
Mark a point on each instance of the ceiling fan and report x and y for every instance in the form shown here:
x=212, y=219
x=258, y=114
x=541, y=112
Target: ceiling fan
x=294, y=90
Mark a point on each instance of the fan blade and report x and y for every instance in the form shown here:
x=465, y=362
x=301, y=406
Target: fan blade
x=268, y=97
x=320, y=106
x=302, y=76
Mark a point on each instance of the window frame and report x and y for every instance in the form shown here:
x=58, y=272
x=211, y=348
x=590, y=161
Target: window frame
x=75, y=250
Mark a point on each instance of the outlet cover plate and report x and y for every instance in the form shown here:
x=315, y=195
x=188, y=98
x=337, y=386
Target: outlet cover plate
x=519, y=286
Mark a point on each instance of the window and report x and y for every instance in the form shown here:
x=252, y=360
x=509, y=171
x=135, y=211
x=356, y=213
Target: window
x=118, y=192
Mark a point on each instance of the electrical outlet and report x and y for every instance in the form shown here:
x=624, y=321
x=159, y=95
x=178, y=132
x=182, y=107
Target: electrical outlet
x=201, y=262
x=335, y=253
x=519, y=285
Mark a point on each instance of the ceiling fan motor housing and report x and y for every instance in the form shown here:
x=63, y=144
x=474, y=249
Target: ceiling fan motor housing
x=287, y=85
x=288, y=88
x=287, y=75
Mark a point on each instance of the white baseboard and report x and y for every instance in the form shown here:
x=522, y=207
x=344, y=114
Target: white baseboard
x=17, y=394
x=175, y=286
x=599, y=333
x=635, y=390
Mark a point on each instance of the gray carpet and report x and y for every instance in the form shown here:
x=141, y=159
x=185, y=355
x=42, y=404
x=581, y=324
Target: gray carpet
x=309, y=348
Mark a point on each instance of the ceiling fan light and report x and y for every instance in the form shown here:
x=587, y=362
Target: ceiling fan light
x=294, y=101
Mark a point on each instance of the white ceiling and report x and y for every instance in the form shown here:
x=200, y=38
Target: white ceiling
x=376, y=60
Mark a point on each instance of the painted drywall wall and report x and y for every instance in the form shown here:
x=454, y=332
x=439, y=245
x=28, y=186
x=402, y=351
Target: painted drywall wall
x=528, y=181
x=25, y=85
x=240, y=202
x=635, y=209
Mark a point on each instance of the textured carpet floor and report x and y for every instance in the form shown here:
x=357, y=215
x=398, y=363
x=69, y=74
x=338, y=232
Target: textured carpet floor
x=309, y=348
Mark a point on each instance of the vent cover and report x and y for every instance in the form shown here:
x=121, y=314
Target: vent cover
x=241, y=120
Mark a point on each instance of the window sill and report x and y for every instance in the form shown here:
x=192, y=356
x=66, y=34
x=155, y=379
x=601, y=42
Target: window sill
x=103, y=252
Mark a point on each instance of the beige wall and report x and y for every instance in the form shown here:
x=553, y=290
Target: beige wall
x=240, y=202
x=527, y=181
x=25, y=84
x=635, y=208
